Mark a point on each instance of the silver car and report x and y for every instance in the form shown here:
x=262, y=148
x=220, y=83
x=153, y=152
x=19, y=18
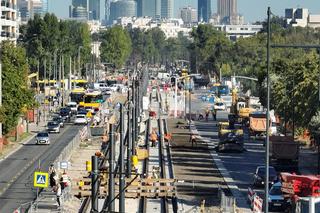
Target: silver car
x=42, y=138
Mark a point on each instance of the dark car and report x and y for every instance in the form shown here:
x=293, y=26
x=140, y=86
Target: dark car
x=276, y=198
x=260, y=174
x=59, y=120
x=65, y=113
x=230, y=142
x=53, y=126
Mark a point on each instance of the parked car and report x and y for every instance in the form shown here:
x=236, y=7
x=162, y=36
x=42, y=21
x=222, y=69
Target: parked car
x=53, y=126
x=260, y=174
x=276, y=199
x=80, y=119
x=219, y=106
x=42, y=138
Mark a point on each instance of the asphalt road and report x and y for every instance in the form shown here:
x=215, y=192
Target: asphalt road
x=16, y=171
x=240, y=166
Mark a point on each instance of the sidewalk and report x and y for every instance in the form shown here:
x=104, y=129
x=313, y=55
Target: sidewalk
x=14, y=146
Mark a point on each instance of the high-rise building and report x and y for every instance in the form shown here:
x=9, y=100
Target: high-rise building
x=44, y=6
x=204, y=10
x=94, y=10
x=79, y=9
x=151, y=8
x=189, y=15
x=228, y=13
x=28, y=8
x=166, y=8
x=122, y=8
x=139, y=8
x=8, y=20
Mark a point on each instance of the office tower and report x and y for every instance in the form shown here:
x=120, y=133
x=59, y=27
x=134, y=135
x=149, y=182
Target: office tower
x=151, y=8
x=189, y=15
x=139, y=8
x=166, y=8
x=79, y=9
x=82, y=3
x=94, y=10
x=227, y=8
x=122, y=8
x=28, y=8
x=204, y=10
x=228, y=13
x=44, y=6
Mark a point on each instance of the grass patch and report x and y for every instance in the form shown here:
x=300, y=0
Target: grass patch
x=22, y=137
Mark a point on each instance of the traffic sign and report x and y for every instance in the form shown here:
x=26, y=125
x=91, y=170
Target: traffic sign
x=41, y=179
x=64, y=165
x=89, y=114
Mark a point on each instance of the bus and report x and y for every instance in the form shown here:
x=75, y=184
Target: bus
x=77, y=95
x=79, y=83
x=92, y=99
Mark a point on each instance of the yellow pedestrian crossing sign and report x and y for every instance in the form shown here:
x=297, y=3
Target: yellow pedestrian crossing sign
x=41, y=179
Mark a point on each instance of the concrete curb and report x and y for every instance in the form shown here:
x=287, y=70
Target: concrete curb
x=240, y=199
x=27, y=140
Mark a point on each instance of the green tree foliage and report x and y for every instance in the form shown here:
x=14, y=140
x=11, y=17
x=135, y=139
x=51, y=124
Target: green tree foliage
x=116, y=46
x=15, y=92
x=42, y=37
x=294, y=72
x=152, y=46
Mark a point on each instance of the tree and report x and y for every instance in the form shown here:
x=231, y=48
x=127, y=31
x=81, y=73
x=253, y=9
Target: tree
x=15, y=92
x=116, y=46
x=42, y=37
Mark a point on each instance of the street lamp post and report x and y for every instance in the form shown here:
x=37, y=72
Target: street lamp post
x=79, y=69
x=176, y=90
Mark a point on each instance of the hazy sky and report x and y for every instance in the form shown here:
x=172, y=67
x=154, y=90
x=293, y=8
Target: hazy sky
x=252, y=10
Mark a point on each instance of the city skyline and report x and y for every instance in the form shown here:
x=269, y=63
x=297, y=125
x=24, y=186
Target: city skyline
x=251, y=10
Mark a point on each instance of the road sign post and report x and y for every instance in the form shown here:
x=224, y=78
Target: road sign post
x=41, y=179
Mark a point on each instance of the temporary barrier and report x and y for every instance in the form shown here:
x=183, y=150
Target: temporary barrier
x=251, y=195
x=257, y=204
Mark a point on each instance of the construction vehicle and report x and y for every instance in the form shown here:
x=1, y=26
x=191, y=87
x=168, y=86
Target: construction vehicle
x=284, y=151
x=302, y=192
x=257, y=124
x=240, y=108
x=225, y=127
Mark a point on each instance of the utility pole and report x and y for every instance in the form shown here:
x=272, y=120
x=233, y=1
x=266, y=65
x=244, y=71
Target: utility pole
x=70, y=73
x=129, y=145
x=121, y=167
x=1, y=98
x=94, y=184
x=266, y=183
x=190, y=104
x=79, y=61
x=38, y=91
x=111, y=189
x=133, y=115
x=44, y=87
x=63, y=82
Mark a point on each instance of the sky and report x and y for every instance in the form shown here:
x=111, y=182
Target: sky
x=252, y=10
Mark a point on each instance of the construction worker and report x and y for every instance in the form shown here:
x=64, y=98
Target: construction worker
x=193, y=140
x=214, y=114
x=207, y=114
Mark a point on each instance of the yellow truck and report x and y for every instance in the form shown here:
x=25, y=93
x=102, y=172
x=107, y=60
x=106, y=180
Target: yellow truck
x=224, y=129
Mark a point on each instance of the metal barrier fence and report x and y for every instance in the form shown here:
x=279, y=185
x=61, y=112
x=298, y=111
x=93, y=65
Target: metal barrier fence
x=227, y=203
x=31, y=207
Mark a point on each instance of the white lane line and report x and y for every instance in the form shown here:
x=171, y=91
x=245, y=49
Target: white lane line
x=240, y=198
